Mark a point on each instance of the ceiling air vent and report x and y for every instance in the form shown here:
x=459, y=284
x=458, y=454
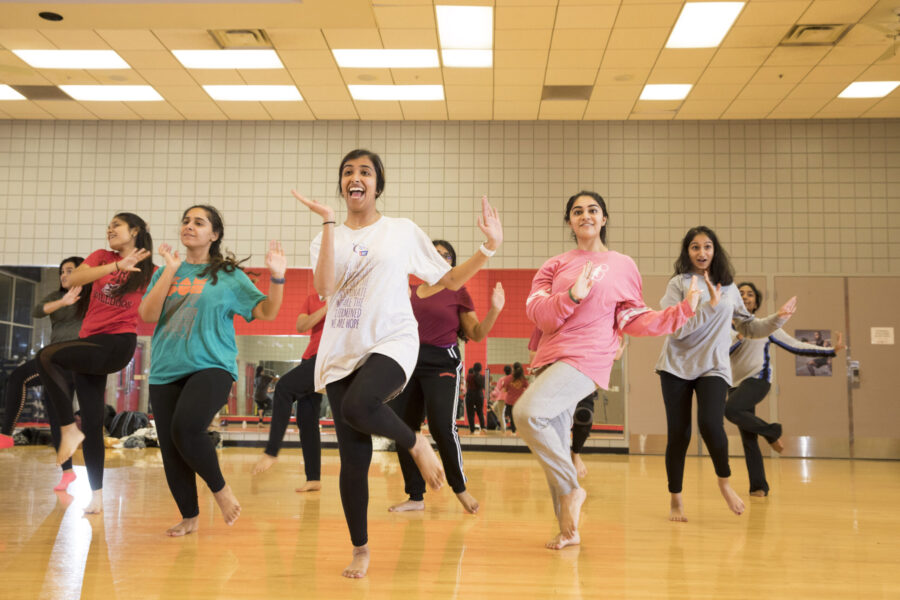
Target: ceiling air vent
x=814, y=35
x=41, y=92
x=567, y=92
x=230, y=39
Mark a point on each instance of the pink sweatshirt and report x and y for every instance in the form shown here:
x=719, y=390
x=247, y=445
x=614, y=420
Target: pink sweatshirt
x=586, y=335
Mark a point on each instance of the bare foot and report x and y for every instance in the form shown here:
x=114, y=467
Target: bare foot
x=560, y=541
x=96, y=505
x=580, y=468
x=310, y=486
x=429, y=466
x=777, y=446
x=731, y=498
x=228, y=504
x=185, y=527
x=68, y=476
x=408, y=506
x=359, y=566
x=570, y=511
x=759, y=493
x=71, y=438
x=676, y=509
x=264, y=463
x=470, y=504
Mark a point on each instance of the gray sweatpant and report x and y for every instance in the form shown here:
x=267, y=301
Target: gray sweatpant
x=544, y=419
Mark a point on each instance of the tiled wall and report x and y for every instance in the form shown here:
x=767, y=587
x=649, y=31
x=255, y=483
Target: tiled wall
x=786, y=197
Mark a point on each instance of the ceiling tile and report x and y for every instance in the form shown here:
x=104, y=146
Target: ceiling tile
x=685, y=57
x=217, y=76
x=352, y=38
x=812, y=91
x=574, y=17
x=523, y=17
x=397, y=17
x=702, y=109
x=150, y=59
x=110, y=110
x=836, y=11
x=307, y=59
x=740, y=75
x=796, y=55
x=638, y=39
x=75, y=39
x=617, y=93
x=608, y=110
x=288, y=111
x=410, y=38
x=805, y=108
x=478, y=111
x=68, y=77
x=25, y=110
x=514, y=39
x=832, y=74
x=244, y=111
x=580, y=39
x=846, y=108
x=782, y=12
x=640, y=16
x=368, y=76
x=765, y=92
x=24, y=39
x=749, y=109
x=520, y=59
x=157, y=111
x=193, y=93
x=854, y=55
x=518, y=93
x=779, y=75
x=333, y=110
x=317, y=76
x=562, y=109
x=379, y=111
x=468, y=76
x=628, y=76
x=297, y=39
x=64, y=109
x=624, y=59
x=434, y=110
x=167, y=77
x=130, y=39
x=518, y=111
x=658, y=75
x=196, y=110
x=266, y=77
x=574, y=59
x=519, y=76
x=570, y=76
x=417, y=76
x=325, y=93
x=186, y=39
x=754, y=37
x=715, y=91
x=468, y=93
x=740, y=57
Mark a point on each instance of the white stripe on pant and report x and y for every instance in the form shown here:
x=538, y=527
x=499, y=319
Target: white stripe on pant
x=544, y=419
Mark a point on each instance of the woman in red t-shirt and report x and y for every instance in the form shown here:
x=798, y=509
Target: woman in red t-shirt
x=106, y=342
x=513, y=388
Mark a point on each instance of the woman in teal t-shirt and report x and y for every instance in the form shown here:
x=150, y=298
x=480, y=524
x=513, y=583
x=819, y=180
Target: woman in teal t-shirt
x=194, y=355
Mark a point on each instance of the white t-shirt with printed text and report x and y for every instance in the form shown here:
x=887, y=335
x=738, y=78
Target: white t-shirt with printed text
x=370, y=312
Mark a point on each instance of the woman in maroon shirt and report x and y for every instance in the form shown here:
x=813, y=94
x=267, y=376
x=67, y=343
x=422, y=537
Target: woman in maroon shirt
x=433, y=389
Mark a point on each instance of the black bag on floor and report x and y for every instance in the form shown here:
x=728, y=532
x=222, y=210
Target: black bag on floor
x=492, y=422
x=127, y=422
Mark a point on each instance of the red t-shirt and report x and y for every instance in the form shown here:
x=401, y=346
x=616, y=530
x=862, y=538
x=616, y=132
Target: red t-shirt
x=107, y=313
x=514, y=388
x=313, y=303
x=438, y=315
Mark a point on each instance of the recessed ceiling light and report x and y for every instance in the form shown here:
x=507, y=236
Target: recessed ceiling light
x=7, y=93
x=253, y=93
x=109, y=93
x=869, y=89
x=466, y=27
x=377, y=58
x=467, y=58
x=703, y=24
x=228, y=59
x=665, y=91
x=396, y=92
x=72, y=59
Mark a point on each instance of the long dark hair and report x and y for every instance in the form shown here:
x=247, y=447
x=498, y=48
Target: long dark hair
x=720, y=269
x=755, y=291
x=227, y=262
x=376, y=162
x=599, y=200
x=82, y=305
x=518, y=371
x=137, y=280
x=449, y=248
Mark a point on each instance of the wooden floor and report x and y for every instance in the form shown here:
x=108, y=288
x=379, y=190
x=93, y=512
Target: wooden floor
x=830, y=529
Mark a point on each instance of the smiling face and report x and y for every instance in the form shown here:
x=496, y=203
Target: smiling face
x=197, y=229
x=586, y=218
x=359, y=183
x=701, y=251
x=119, y=235
x=749, y=298
x=65, y=271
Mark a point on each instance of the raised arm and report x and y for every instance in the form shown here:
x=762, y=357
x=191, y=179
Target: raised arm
x=783, y=340
x=305, y=322
x=72, y=295
x=323, y=270
x=751, y=327
x=86, y=274
x=476, y=331
x=267, y=309
x=635, y=318
x=490, y=226
x=549, y=311
x=153, y=301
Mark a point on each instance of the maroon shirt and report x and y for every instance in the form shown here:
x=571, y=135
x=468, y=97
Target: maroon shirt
x=438, y=315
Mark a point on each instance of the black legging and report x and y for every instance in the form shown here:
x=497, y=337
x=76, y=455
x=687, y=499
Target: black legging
x=508, y=413
x=298, y=385
x=91, y=359
x=740, y=409
x=359, y=410
x=677, y=394
x=23, y=377
x=582, y=422
x=183, y=411
x=433, y=392
x=475, y=406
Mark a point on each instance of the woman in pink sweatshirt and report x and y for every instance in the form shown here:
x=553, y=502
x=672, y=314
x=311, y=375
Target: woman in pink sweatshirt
x=583, y=301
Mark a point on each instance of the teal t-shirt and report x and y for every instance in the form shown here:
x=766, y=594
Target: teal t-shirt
x=196, y=328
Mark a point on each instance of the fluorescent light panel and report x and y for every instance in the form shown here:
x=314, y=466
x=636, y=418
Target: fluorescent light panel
x=396, y=92
x=703, y=24
x=869, y=89
x=72, y=59
x=467, y=58
x=377, y=58
x=665, y=91
x=7, y=93
x=466, y=27
x=253, y=93
x=110, y=93
x=228, y=59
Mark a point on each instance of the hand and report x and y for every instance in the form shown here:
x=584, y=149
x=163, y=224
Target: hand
x=582, y=286
x=787, y=311
x=715, y=293
x=129, y=263
x=73, y=294
x=326, y=212
x=498, y=297
x=173, y=261
x=275, y=260
x=839, y=341
x=489, y=224
x=694, y=294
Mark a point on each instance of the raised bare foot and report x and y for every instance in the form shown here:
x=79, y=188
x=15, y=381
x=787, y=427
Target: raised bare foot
x=359, y=566
x=731, y=498
x=228, y=504
x=185, y=527
x=580, y=468
x=71, y=438
x=96, y=504
x=408, y=506
x=468, y=501
x=429, y=466
x=560, y=541
x=759, y=493
x=570, y=511
x=310, y=486
x=68, y=476
x=777, y=446
x=263, y=464
x=676, y=509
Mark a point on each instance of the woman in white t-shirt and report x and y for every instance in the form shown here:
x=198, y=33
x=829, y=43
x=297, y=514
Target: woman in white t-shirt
x=370, y=342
